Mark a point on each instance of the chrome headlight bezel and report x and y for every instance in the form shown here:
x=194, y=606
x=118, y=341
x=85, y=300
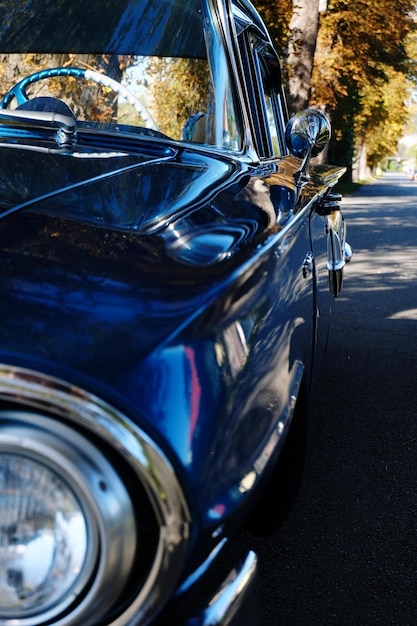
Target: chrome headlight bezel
x=35, y=440
x=39, y=397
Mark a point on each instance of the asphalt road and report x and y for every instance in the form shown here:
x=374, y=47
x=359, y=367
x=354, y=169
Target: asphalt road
x=347, y=553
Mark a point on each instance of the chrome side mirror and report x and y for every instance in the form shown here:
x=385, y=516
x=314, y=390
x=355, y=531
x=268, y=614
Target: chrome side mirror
x=307, y=133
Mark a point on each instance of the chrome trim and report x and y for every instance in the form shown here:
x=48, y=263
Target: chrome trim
x=104, y=501
x=28, y=388
x=203, y=568
x=226, y=606
x=348, y=252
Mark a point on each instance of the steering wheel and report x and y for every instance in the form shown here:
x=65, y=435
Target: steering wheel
x=18, y=91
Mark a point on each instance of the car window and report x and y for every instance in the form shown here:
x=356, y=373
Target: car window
x=273, y=101
x=264, y=90
x=270, y=102
x=160, y=69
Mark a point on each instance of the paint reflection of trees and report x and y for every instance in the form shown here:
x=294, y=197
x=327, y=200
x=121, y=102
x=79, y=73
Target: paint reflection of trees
x=179, y=89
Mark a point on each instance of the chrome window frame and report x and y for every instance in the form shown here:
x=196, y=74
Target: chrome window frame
x=256, y=51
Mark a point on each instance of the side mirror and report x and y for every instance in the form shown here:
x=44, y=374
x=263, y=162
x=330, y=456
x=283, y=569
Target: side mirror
x=307, y=133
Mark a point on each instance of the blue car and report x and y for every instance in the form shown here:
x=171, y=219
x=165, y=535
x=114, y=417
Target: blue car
x=170, y=248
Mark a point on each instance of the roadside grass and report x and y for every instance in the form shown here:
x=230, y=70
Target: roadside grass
x=347, y=188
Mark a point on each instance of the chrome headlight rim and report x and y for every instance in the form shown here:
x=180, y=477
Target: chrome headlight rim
x=33, y=439
x=51, y=396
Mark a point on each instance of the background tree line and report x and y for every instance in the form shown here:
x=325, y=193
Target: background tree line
x=356, y=60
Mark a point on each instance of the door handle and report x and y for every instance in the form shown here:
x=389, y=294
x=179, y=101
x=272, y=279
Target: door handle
x=307, y=264
x=328, y=204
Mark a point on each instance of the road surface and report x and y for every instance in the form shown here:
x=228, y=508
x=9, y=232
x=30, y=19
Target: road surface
x=347, y=553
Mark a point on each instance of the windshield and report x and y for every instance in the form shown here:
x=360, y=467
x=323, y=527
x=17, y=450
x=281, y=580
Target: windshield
x=148, y=66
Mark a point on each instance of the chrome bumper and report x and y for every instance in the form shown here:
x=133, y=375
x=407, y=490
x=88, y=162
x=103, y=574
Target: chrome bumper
x=236, y=603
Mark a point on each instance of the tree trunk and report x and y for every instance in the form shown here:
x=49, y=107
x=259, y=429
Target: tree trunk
x=304, y=28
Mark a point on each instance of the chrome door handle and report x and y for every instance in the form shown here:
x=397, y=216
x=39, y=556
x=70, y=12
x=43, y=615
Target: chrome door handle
x=307, y=264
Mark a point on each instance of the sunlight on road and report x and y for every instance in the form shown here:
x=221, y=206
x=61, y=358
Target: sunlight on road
x=411, y=314
x=382, y=231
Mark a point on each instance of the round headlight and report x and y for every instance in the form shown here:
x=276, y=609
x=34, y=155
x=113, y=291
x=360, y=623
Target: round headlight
x=43, y=536
x=67, y=524
x=94, y=523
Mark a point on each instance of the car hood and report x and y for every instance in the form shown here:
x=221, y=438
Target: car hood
x=113, y=254
x=139, y=191
x=85, y=271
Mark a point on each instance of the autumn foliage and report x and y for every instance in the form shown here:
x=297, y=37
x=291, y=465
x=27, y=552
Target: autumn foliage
x=362, y=70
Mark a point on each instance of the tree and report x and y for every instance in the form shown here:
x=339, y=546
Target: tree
x=304, y=27
x=277, y=18
x=362, y=64
x=293, y=25
x=381, y=120
x=362, y=47
x=180, y=88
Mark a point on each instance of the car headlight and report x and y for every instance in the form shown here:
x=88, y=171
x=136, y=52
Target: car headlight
x=44, y=532
x=66, y=522
x=93, y=524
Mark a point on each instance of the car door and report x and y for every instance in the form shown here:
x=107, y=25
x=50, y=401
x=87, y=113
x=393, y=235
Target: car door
x=294, y=209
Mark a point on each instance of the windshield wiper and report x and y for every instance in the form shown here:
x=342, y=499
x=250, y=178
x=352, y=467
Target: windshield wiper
x=21, y=125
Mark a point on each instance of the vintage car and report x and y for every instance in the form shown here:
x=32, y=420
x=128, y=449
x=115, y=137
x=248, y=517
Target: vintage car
x=170, y=248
